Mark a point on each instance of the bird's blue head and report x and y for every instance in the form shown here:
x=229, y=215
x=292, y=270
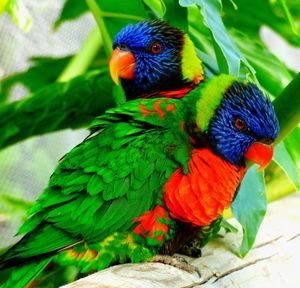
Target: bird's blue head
x=244, y=124
x=153, y=56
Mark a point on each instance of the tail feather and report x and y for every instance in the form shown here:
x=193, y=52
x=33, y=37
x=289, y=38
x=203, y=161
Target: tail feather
x=23, y=275
x=45, y=241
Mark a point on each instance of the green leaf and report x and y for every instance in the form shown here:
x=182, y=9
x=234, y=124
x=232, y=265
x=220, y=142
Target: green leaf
x=83, y=60
x=292, y=145
x=154, y=8
x=203, y=38
x=263, y=61
x=250, y=17
x=249, y=207
x=287, y=107
x=210, y=66
x=44, y=70
x=19, y=14
x=284, y=160
x=71, y=11
x=169, y=10
x=57, y=106
x=228, y=227
x=228, y=55
x=176, y=15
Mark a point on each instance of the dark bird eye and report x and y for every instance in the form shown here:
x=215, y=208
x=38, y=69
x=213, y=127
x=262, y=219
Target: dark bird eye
x=156, y=47
x=240, y=124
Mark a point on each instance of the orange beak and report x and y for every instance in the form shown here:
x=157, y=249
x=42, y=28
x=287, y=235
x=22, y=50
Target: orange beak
x=121, y=65
x=260, y=154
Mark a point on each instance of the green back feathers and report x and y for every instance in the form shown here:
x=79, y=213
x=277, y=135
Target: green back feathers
x=191, y=65
x=211, y=94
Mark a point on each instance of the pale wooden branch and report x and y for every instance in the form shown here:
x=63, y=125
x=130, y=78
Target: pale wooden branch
x=273, y=262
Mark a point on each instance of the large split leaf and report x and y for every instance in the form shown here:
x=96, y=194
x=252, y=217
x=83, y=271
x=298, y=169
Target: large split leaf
x=200, y=34
x=44, y=70
x=228, y=55
x=249, y=207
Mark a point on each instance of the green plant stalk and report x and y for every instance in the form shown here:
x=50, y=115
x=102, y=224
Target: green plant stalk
x=289, y=17
x=3, y=4
x=107, y=41
x=287, y=108
x=98, y=14
x=83, y=59
x=121, y=16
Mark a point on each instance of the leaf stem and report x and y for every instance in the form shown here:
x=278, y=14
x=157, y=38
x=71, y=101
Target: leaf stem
x=119, y=95
x=288, y=15
x=98, y=14
x=83, y=59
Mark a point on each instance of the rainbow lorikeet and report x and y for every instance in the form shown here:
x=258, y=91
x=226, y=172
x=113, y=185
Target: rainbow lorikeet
x=151, y=173
x=154, y=59
x=74, y=104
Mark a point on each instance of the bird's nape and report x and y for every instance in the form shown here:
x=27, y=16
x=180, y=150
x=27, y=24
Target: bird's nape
x=244, y=125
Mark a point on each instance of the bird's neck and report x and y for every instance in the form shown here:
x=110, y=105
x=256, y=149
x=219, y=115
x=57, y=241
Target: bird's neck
x=176, y=94
x=172, y=89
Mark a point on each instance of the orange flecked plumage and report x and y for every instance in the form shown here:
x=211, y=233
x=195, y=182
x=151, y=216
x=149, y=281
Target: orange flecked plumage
x=145, y=111
x=200, y=196
x=160, y=112
x=150, y=223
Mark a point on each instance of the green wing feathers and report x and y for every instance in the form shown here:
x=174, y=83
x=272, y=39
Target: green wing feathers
x=103, y=184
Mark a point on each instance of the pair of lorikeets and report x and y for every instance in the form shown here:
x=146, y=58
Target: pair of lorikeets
x=155, y=170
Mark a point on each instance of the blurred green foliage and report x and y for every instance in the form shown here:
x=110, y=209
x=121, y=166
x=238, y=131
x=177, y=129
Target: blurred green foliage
x=227, y=37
